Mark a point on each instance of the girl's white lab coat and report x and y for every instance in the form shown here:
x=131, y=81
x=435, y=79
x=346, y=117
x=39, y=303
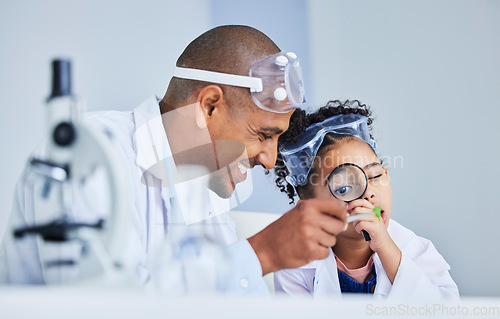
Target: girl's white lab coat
x=422, y=274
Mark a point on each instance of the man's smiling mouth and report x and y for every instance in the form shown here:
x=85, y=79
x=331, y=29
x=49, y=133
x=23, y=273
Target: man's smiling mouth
x=243, y=167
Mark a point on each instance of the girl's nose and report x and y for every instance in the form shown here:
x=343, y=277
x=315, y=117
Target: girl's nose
x=369, y=195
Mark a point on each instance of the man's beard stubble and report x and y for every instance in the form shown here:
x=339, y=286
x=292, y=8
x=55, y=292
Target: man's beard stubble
x=221, y=183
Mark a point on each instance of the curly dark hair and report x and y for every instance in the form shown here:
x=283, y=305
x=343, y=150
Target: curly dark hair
x=299, y=122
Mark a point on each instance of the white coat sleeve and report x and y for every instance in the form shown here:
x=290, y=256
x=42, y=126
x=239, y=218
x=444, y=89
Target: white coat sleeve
x=423, y=273
x=291, y=282
x=247, y=271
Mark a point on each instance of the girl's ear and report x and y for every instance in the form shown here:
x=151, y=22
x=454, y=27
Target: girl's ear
x=386, y=172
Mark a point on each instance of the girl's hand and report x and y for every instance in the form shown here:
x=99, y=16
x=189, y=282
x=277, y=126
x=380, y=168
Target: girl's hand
x=377, y=229
x=381, y=242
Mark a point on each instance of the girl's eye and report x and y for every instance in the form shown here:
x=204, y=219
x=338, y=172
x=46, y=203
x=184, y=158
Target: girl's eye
x=343, y=190
x=375, y=177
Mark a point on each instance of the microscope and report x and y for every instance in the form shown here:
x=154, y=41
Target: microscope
x=74, y=150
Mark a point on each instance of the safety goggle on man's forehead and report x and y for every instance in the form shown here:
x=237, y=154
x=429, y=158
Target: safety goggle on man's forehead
x=275, y=81
x=299, y=156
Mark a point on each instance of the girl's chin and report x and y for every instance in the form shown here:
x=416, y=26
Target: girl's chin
x=351, y=234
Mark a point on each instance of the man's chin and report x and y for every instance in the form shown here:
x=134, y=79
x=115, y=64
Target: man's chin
x=222, y=187
x=225, y=194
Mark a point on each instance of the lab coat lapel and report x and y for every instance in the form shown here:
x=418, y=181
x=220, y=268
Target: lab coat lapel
x=326, y=281
x=383, y=286
x=153, y=156
x=151, y=143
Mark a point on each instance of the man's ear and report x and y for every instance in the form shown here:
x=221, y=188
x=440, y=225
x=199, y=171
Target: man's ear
x=210, y=103
x=201, y=122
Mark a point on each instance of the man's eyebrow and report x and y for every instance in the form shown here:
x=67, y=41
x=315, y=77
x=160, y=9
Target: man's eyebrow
x=371, y=165
x=275, y=130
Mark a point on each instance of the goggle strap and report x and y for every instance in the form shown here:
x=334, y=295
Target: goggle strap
x=254, y=84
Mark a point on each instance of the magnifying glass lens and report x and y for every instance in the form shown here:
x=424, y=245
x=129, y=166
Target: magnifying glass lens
x=348, y=182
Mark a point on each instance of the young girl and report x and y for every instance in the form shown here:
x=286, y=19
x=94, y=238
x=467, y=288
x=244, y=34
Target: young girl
x=374, y=255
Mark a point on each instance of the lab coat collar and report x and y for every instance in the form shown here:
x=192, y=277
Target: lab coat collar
x=150, y=140
x=326, y=279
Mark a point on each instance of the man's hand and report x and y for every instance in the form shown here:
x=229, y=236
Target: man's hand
x=300, y=236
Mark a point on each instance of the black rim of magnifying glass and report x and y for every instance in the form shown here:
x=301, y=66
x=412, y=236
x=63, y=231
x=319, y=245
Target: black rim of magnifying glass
x=339, y=167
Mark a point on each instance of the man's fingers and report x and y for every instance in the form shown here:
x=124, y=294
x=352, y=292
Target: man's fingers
x=326, y=240
x=332, y=207
x=332, y=226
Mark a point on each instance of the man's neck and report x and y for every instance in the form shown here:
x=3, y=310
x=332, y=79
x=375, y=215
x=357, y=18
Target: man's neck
x=189, y=143
x=165, y=106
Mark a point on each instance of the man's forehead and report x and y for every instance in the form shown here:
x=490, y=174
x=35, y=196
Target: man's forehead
x=273, y=123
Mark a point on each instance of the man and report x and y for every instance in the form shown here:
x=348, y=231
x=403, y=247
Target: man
x=225, y=111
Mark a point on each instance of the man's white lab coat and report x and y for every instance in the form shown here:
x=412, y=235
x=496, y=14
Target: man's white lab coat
x=142, y=142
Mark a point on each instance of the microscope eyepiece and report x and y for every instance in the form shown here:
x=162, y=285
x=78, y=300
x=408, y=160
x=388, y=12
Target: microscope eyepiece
x=61, y=78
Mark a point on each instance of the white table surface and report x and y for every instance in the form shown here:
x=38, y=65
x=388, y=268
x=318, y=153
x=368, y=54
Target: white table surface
x=89, y=303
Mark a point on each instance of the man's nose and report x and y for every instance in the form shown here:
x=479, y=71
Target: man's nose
x=267, y=157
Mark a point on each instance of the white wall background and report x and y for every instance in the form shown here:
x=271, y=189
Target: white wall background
x=429, y=69
x=122, y=53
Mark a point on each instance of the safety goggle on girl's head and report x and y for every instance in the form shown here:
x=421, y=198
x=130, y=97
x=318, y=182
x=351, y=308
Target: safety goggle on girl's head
x=299, y=156
x=275, y=81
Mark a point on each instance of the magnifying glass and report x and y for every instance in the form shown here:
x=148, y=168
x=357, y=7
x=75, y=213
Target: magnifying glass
x=348, y=182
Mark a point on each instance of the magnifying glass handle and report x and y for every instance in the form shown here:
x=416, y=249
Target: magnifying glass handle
x=366, y=235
